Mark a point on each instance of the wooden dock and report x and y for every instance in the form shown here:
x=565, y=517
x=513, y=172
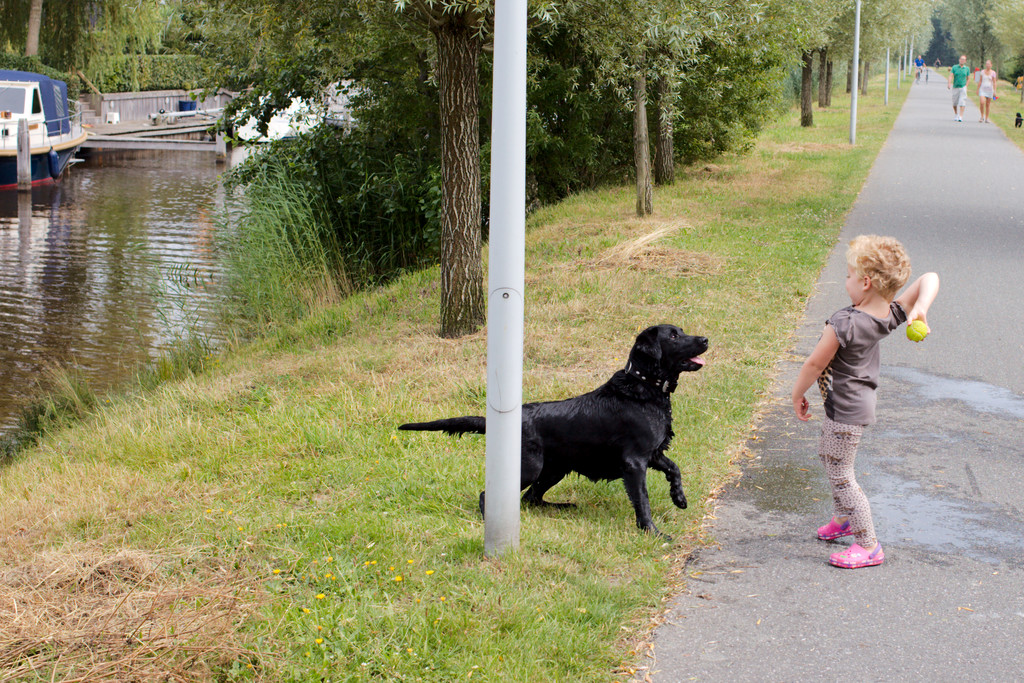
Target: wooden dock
x=184, y=135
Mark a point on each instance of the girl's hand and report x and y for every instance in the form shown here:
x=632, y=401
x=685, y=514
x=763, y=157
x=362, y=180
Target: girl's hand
x=917, y=314
x=802, y=408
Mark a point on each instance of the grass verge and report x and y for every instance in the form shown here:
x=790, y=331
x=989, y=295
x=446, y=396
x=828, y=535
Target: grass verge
x=263, y=520
x=1004, y=113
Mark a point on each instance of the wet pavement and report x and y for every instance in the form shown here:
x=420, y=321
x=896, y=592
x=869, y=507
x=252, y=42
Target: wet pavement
x=943, y=467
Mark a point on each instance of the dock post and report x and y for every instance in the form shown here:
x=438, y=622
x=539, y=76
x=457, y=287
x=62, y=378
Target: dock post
x=220, y=146
x=24, y=157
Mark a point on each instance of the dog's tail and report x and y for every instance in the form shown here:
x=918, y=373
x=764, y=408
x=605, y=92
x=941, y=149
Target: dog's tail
x=471, y=424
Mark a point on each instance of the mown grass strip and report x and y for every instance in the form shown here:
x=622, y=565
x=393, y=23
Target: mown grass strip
x=1004, y=112
x=333, y=547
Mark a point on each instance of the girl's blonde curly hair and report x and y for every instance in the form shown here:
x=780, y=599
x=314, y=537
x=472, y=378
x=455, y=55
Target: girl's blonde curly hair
x=882, y=260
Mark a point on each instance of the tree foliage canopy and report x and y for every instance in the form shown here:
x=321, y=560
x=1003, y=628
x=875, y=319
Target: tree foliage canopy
x=972, y=25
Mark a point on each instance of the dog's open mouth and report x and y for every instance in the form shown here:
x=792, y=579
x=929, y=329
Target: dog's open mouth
x=693, y=364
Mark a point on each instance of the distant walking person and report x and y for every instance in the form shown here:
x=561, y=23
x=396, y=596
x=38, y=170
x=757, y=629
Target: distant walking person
x=958, y=76
x=986, y=90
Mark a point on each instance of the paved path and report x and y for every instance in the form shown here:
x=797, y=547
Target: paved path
x=943, y=468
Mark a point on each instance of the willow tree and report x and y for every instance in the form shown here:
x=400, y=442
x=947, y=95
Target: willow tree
x=459, y=28
x=640, y=42
x=806, y=24
x=972, y=25
x=35, y=19
x=1008, y=17
x=67, y=34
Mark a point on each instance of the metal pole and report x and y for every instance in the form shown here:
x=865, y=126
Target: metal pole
x=24, y=162
x=906, y=49
x=887, y=77
x=506, y=280
x=899, y=66
x=856, y=68
x=910, y=55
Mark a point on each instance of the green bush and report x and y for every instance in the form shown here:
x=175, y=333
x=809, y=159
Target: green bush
x=133, y=73
x=33, y=65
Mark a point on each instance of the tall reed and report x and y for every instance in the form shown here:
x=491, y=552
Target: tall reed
x=280, y=255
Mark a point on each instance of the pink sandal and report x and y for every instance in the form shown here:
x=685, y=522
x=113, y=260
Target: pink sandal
x=856, y=557
x=834, y=530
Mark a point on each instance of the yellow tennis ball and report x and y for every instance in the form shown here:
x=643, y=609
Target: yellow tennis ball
x=916, y=331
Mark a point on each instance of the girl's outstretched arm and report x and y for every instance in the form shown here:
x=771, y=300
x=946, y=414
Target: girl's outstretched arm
x=918, y=297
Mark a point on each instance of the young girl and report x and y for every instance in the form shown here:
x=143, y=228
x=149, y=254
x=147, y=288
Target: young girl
x=845, y=363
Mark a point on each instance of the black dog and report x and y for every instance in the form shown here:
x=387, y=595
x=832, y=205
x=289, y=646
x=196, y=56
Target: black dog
x=616, y=431
x=1019, y=121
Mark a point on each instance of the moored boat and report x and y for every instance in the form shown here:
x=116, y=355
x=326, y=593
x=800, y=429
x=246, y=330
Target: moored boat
x=55, y=134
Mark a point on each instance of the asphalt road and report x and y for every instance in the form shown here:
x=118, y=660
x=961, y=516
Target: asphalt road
x=943, y=468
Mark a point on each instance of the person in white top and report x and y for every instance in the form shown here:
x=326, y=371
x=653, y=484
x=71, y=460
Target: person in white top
x=986, y=90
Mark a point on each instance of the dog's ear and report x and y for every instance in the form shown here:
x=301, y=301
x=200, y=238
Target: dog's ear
x=647, y=346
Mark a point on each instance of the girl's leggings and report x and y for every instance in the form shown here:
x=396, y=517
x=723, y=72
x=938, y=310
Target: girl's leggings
x=837, y=450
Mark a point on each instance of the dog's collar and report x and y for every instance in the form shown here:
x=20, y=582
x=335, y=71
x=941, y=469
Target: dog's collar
x=667, y=386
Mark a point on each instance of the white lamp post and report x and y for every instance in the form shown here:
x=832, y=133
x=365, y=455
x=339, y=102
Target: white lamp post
x=506, y=280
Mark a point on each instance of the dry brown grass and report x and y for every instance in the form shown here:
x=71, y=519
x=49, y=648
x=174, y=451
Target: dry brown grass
x=87, y=615
x=803, y=147
x=642, y=253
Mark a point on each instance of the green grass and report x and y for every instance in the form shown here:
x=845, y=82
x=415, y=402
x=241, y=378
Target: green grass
x=1004, y=111
x=218, y=526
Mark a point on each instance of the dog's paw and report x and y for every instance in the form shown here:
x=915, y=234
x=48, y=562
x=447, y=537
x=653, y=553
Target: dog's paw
x=653, y=531
x=660, y=535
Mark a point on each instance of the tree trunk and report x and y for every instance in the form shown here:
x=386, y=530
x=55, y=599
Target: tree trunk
x=806, y=82
x=462, y=292
x=822, y=80
x=35, y=20
x=664, y=162
x=642, y=148
x=828, y=86
x=849, y=76
x=864, y=80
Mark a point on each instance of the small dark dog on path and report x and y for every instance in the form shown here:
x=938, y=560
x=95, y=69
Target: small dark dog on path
x=1019, y=121
x=616, y=431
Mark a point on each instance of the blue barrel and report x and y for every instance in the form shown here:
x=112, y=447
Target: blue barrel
x=186, y=105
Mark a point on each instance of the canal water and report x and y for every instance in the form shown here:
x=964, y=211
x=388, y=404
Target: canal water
x=104, y=270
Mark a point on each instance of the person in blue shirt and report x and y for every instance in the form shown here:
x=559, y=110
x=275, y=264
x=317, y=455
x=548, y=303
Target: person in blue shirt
x=919, y=63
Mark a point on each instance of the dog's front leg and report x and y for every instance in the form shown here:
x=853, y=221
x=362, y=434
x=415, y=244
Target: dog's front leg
x=634, y=477
x=663, y=463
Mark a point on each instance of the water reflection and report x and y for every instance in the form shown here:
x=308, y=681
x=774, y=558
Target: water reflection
x=103, y=269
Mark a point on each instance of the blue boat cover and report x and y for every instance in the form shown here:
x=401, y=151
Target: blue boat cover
x=54, y=94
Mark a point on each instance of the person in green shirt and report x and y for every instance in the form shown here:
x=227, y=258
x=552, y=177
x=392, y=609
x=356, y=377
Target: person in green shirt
x=958, y=84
